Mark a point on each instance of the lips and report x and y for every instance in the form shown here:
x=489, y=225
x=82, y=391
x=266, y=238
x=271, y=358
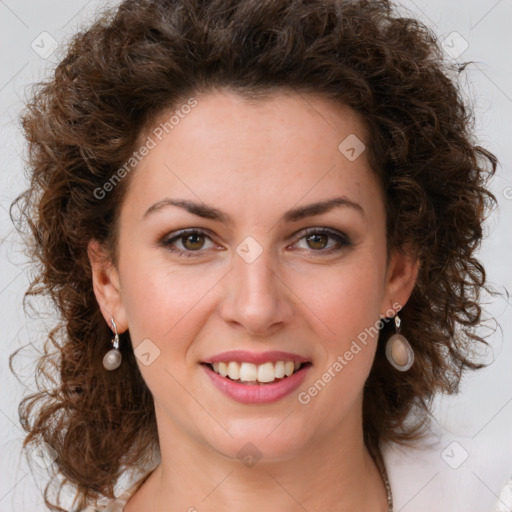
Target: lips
x=250, y=377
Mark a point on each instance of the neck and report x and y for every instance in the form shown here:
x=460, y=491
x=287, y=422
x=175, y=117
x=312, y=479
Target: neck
x=333, y=473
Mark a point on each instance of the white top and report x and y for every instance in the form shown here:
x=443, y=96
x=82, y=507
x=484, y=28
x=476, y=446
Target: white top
x=443, y=474
x=451, y=474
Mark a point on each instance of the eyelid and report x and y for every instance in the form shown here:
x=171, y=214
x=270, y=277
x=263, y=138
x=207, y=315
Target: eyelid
x=323, y=230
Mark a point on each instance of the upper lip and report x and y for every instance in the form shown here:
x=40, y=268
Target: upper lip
x=243, y=356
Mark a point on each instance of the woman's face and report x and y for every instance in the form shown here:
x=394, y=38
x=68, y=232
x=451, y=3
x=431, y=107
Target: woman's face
x=264, y=271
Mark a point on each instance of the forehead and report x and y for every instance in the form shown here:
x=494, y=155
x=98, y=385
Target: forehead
x=277, y=149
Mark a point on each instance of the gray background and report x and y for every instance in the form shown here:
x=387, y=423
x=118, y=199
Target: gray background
x=28, y=32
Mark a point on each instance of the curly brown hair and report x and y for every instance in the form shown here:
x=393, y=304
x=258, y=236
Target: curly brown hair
x=146, y=56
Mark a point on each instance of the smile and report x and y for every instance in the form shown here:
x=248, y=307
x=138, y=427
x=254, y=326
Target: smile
x=256, y=374
x=256, y=378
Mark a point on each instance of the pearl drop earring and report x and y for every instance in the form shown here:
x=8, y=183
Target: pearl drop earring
x=113, y=358
x=398, y=350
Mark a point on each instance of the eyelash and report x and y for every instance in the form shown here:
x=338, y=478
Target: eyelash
x=341, y=239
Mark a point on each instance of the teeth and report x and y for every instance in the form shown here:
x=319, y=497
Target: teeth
x=279, y=369
x=249, y=372
x=223, y=369
x=233, y=370
x=266, y=372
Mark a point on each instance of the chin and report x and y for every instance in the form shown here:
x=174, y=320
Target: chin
x=268, y=440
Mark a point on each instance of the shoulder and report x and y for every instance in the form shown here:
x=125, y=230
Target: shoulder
x=118, y=504
x=449, y=473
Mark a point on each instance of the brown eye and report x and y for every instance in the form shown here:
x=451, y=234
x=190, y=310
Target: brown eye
x=193, y=242
x=189, y=242
x=322, y=241
x=317, y=240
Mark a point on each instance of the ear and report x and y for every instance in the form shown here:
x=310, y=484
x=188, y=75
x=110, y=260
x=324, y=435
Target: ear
x=401, y=278
x=107, y=289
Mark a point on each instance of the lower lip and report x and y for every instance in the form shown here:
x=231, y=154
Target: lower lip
x=257, y=393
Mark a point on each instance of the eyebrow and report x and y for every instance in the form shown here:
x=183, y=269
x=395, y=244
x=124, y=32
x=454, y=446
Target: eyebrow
x=209, y=212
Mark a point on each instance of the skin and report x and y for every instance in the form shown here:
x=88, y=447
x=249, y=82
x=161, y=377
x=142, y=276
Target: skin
x=255, y=161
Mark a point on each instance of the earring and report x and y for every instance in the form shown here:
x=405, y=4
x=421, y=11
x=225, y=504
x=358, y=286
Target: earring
x=398, y=351
x=113, y=358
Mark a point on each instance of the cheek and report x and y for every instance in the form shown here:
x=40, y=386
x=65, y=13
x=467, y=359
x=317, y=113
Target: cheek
x=349, y=308
x=167, y=308
x=346, y=299
x=347, y=304
x=160, y=302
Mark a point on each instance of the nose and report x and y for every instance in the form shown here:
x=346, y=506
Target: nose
x=257, y=299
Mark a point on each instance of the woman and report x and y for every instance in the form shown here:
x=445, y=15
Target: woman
x=259, y=222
